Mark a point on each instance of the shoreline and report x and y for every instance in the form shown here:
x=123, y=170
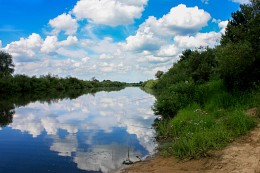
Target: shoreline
x=241, y=155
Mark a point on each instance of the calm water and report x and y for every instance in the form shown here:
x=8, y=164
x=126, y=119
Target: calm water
x=92, y=133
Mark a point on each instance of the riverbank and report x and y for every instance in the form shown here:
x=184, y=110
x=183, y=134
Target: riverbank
x=242, y=155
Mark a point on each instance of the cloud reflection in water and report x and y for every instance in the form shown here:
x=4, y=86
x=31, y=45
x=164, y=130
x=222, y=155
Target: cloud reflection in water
x=90, y=129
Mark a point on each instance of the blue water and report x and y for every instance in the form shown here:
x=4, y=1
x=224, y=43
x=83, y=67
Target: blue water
x=92, y=133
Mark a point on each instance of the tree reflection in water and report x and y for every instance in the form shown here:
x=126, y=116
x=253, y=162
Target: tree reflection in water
x=9, y=102
x=6, y=114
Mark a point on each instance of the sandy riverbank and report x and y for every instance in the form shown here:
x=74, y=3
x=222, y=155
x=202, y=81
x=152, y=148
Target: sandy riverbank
x=241, y=156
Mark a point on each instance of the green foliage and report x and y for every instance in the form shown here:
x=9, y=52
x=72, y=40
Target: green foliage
x=173, y=98
x=6, y=64
x=198, y=66
x=208, y=90
x=149, y=83
x=158, y=74
x=49, y=83
x=197, y=128
x=239, y=52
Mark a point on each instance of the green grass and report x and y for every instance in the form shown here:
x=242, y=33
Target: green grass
x=209, y=124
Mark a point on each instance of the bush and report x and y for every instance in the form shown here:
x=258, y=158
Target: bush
x=173, y=98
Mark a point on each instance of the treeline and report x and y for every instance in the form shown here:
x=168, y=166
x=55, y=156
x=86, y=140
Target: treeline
x=22, y=83
x=19, y=83
x=208, y=90
x=236, y=62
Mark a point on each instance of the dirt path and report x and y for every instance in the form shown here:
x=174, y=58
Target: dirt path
x=241, y=156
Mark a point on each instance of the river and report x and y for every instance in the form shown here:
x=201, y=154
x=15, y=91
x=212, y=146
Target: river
x=92, y=133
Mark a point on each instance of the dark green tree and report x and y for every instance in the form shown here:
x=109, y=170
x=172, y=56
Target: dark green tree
x=185, y=54
x=6, y=64
x=239, y=53
x=158, y=74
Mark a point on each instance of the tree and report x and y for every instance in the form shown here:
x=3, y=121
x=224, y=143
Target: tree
x=239, y=53
x=6, y=64
x=185, y=54
x=158, y=74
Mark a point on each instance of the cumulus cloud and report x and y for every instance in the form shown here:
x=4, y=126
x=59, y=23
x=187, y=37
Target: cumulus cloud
x=180, y=20
x=35, y=47
x=25, y=47
x=168, y=51
x=51, y=43
x=200, y=39
x=155, y=32
x=70, y=41
x=64, y=22
x=0, y=44
x=109, y=12
x=143, y=40
x=156, y=44
x=183, y=20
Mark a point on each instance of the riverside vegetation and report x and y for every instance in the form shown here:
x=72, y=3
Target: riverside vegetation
x=48, y=84
x=20, y=90
x=203, y=97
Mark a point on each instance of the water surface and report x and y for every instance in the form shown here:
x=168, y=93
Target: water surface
x=92, y=133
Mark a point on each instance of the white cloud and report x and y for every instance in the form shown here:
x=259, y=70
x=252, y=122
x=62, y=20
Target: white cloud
x=64, y=22
x=156, y=44
x=223, y=25
x=200, y=39
x=72, y=53
x=25, y=47
x=105, y=56
x=70, y=41
x=0, y=44
x=107, y=67
x=50, y=44
x=145, y=40
x=242, y=1
x=237, y=1
x=168, y=50
x=153, y=33
x=180, y=20
x=109, y=12
x=183, y=20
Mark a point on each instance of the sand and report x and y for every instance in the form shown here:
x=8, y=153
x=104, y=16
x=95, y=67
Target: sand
x=240, y=156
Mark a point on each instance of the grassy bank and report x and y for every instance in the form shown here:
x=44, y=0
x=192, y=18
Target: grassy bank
x=203, y=98
x=209, y=124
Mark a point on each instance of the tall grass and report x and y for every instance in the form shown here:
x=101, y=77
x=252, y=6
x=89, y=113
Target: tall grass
x=214, y=119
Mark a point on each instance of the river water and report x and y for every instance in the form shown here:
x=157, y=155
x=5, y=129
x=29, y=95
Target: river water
x=92, y=133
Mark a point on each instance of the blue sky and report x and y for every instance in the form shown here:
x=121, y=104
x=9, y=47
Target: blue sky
x=125, y=40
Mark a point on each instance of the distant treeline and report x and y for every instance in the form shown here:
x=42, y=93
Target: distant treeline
x=24, y=84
